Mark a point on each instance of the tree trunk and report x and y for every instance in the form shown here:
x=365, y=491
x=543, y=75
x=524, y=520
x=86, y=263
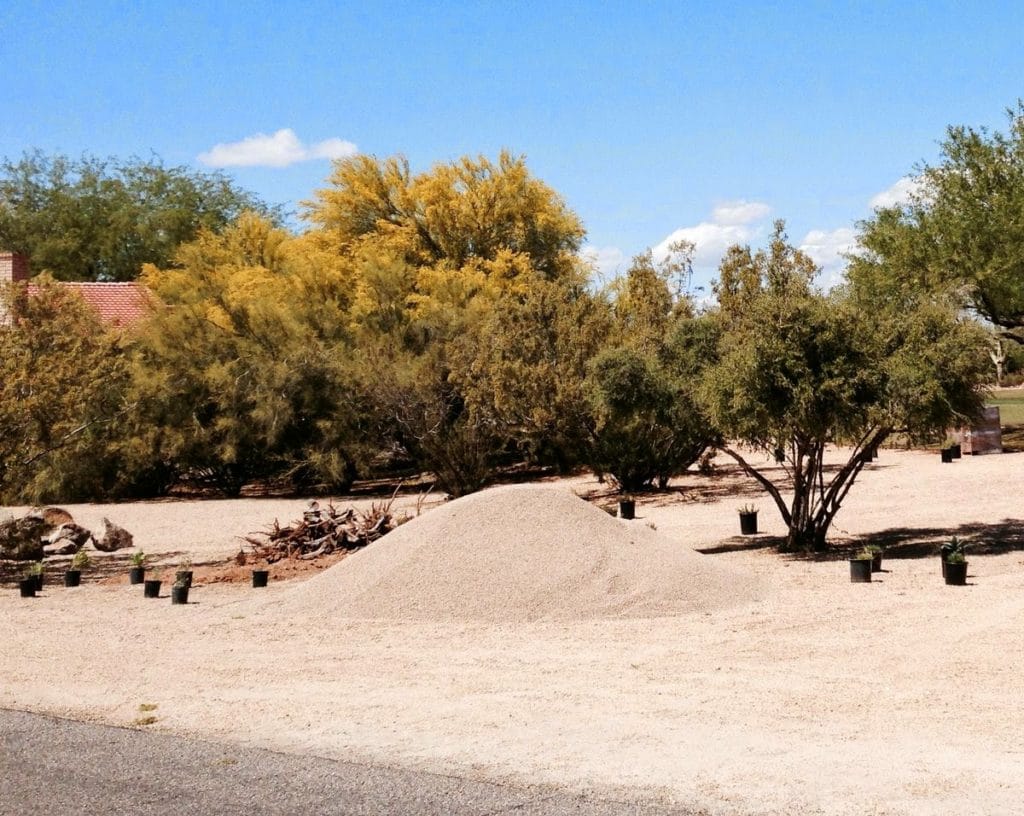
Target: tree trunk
x=815, y=502
x=808, y=537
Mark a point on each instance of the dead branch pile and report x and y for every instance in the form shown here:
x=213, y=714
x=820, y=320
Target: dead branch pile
x=322, y=531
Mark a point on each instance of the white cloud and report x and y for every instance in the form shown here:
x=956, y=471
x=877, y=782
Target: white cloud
x=740, y=212
x=746, y=222
x=279, y=150
x=900, y=193
x=607, y=261
x=710, y=241
x=826, y=249
x=732, y=222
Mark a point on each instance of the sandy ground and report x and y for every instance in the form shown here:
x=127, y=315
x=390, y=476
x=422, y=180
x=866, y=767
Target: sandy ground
x=904, y=696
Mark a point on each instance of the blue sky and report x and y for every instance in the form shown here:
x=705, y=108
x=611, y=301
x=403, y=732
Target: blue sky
x=702, y=120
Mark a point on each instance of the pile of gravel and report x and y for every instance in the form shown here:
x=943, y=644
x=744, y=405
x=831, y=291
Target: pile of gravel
x=521, y=553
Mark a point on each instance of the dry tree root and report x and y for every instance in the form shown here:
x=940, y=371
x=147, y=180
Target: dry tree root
x=321, y=531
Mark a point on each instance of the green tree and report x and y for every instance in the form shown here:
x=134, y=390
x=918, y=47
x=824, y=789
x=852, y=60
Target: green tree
x=801, y=370
x=63, y=396
x=102, y=219
x=245, y=371
x=645, y=424
x=434, y=257
x=470, y=210
x=643, y=432
x=961, y=235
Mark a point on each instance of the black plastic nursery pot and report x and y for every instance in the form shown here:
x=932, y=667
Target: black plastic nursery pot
x=748, y=523
x=876, y=562
x=183, y=577
x=38, y=582
x=954, y=451
x=72, y=578
x=946, y=454
x=955, y=574
x=179, y=594
x=151, y=588
x=27, y=587
x=260, y=578
x=627, y=508
x=942, y=558
x=136, y=575
x=860, y=570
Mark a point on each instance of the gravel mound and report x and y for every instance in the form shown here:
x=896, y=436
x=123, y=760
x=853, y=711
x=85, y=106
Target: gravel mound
x=521, y=553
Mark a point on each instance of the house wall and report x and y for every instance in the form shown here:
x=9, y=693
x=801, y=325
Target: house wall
x=13, y=267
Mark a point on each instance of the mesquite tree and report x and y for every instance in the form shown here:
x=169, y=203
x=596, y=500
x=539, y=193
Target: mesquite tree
x=799, y=370
x=961, y=233
x=101, y=219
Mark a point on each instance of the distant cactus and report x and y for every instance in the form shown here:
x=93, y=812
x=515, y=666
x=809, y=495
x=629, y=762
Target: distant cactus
x=998, y=355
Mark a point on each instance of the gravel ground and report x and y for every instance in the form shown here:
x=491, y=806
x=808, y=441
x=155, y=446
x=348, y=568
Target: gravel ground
x=903, y=696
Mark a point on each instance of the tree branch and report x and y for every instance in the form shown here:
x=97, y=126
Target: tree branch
x=766, y=483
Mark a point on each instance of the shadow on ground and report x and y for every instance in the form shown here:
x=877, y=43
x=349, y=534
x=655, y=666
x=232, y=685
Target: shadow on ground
x=898, y=542
x=924, y=542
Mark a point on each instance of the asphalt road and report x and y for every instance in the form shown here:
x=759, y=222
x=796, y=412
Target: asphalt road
x=61, y=767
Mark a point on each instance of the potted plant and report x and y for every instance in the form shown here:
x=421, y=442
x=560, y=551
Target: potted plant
x=137, y=572
x=73, y=575
x=35, y=572
x=876, y=556
x=27, y=586
x=184, y=573
x=956, y=569
x=627, y=507
x=952, y=547
x=955, y=450
x=151, y=587
x=748, y=519
x=179, y=591
x=260, y=576
x=860, y=567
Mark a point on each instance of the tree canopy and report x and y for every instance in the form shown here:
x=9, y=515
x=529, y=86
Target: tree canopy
x=645, y=425
x=445, y=322
x=961, y=235
x=63, y=395
x=798, y=370
x=244, y=371
x=102, y=219
x=439, y=260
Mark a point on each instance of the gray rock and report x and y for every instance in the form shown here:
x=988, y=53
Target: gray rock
x=114, y=538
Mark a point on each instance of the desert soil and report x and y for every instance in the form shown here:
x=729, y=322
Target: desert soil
x=737, y=682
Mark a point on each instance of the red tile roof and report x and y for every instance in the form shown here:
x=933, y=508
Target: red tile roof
x=117, y=304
